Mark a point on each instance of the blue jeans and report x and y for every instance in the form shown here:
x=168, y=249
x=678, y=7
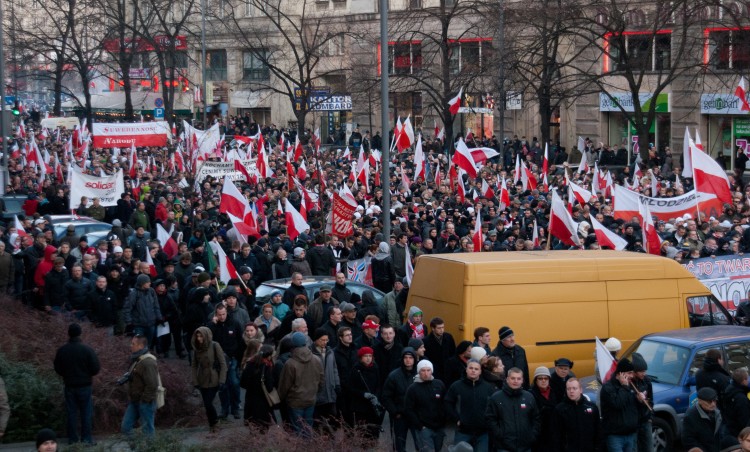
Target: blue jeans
x=480, y=443
x=432, y=440
x=143, y=411
x=78, y=401
x=622, y=443
x=230, y=392
x=646, y=436
x=302, y=420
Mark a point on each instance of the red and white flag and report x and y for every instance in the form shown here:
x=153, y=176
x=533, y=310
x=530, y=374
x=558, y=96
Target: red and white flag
x=581, y=194
x=741, y=93
x=709, y=177
x=487, y=191
x=437, y=129
x=504, y=194
x=527, y=178
x=226, y=267
x=295, y=223
x=535, y=236
x=133, y=170
x=517, y=170
x=476, y=237
x=302, y=170
x=583, y=166
x=298, y=151
x=461, y=189
x=545, y=162
x=363, y=170
x=151, y=266
x=651, y=239
x=406, y=137
x=605, y=363
x=455, y=103
x=19, y=227
x=168, y=244
x=482, y=154
x=419, y=160
x=238, y=166
x=463, y=158
x=316, y=139
x=279, y=210
x=233, y=201
x=561, y=224
x=606, y=237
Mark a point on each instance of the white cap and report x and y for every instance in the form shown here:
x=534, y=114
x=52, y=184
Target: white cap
x=117, y=249
x=613, y=344
x=357, y=215
x=478, y=353
x=424, y=363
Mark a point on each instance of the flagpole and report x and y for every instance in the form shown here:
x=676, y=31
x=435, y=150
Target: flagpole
x=549, y=237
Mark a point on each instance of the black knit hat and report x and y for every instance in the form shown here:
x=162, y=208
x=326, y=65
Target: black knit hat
x=44, y=435
x=74, y=330
x=624, y=365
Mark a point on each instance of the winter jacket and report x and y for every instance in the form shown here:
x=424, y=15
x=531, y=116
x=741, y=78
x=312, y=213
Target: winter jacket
x=393, y=312
x=736, y=411
x=369, y=307
x=54, y=282
x=398, y=256
x=619, y=408
x=229, y=335
x=578, y=427
x=341, y=293
x=705, y=431
x=45, y=266
x=290, y=293
x=423, y=404
x=76, y=294
x=144, y=378
x=301, y=379
x=514, y=357
x=712, y=375
x=77, y=363
x=466, y=401
x=301, y=266
x=513, y=419
x=102, y=303
x=346, y=358
x=388, y=358
x=321, y=260
x=141, y=308
x=332, y=386
x=209, y=366
x=362, y=380
x=394, y=389
x=318, y=311
x=438, y=352
x=546, y=417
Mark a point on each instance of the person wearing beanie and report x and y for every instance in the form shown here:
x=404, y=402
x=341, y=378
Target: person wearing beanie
x=364, y=389
x=424, y=407
x=141, y=311
x=300, y=380
x=512, y=354
x=546, y=400
x=620, y=410
x=466, y=404
x=413, y=328
x=300, y=263
x=642, y=383
x=455, y=367
x=46, y=440
x=418, y=346
x=394, y=391
x=512, y=415
x=77, y=364
x=325, y=405
x=478, y=354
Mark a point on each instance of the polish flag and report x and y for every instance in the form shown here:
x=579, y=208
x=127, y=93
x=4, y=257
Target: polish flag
x=487, y=191
x=583, y=166
x=438, y=178
x=437, y=129
x=19, y=227
x=651, y=239
x=168, y=244
x=535, y=236
x=406, y=137
x=244, y=229
x=461, y=191
x=397, y=132
x=409, y=267
x=545, y=183
x=517, y=170
x=476, y=237
x=347, y=154
x=303, y=207
x=455, y=103
x=527, y=178
x=226, y=267
x=151, y=266
x=133, y=171
x=605, y=363
x=238, y=166
x=279, y=210
x=295, y=223
x=545, y=162
x=22, y=129
x=483, y=154
x=298, y=151
x=419, y=160
x=469, y=135
x=606, y=237
x=405, y=182
x=316, y=139
x=452, y=176
x=463, y=158
x=504, y=195
x=290, y=174
x=440, y=135
x=377, y=176
x=561, y=224
x=687, y=167
x=363, y=169
x=709, y=177
x=581, y=194
x=741, y=93
x=233, y=201
x=262, y=165
x=302, y=170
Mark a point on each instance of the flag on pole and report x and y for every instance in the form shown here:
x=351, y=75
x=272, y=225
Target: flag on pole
x=741, y=93
x=605, y=363
x=455, y=103
x=226, y=267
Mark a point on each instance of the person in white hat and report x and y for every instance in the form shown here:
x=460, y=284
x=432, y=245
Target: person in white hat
x=424, y=408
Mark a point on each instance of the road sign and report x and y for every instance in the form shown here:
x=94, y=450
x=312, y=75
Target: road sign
x=159, y=102
x=9, y=100
x=158, y=113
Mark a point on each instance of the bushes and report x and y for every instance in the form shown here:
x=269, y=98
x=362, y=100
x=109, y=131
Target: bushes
x=29, y=345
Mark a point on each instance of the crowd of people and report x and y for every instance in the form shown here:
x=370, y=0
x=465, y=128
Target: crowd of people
x=339, y=355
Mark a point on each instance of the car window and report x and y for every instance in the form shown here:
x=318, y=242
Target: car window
x=360, y=289
x=738, y=355
x=697, y=362
x=706, y=310
x=666, y=362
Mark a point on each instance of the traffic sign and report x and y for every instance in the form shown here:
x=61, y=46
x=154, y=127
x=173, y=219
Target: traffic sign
x=159, y=102
x=158, y=113
x=10, y=100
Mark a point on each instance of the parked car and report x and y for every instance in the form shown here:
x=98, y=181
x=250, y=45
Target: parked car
x=673, y=358
x=13, y=203
x=312, y=285
x=95, y=231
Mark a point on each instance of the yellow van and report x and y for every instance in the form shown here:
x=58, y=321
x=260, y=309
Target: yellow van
x=557, y=302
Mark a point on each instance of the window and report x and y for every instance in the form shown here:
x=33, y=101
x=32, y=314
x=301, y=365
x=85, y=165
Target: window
x=253, y=66
x=178, y=59
x=666, y=362
x=216, y=65
x=638, y=51
x=704, y=311
x=415, y=4
x=697, y=363
x=738, y=355
x=728, y=49
x=469, y=54
x=336, y=45
x=405, y=58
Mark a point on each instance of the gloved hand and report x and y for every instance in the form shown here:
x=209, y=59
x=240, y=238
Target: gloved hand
x=370, y=396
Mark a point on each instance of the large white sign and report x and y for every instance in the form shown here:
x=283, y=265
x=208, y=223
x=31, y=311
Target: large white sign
x=330, y=103
x=221, y=169
x=68, y=122
x=613, y=101
x=514, y=100
x=124, y=135
x=721, y=104
x=107, y=189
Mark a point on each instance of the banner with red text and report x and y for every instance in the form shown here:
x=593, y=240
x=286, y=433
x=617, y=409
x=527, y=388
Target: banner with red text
x=626, y=204
x=142, y=134
x=343, y=210
x=727, y=277
x=107, y=189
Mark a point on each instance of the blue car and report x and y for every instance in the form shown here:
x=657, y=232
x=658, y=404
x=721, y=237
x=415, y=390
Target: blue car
x=673, y=358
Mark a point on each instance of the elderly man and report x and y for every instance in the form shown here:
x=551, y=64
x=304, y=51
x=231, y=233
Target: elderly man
x=320, y=306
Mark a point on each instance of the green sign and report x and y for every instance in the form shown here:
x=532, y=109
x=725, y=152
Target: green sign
x=742, y=127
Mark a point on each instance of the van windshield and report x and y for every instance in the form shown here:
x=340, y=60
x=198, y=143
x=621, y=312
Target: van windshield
x=707, y=310
x=666, y=362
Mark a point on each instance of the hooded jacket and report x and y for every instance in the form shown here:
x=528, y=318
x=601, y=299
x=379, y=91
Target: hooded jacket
x=369, y=307
x=301, y=379
x=45, y=266
x=141, y=308
x=513, y=418
x=712, y=375
x=205, y=373
x=396, y=384
x=736, y=407
x=382, y=266
x=466, y=401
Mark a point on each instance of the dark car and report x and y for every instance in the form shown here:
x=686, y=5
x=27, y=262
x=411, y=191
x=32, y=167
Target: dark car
x=312, y=285
x=673, y=358
x=13, y=203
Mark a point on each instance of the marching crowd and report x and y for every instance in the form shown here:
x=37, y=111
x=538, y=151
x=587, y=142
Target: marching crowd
x=339, y=355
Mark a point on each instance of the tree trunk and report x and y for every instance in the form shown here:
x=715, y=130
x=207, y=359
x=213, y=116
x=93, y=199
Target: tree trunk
x=125, y=64
x=59, y=66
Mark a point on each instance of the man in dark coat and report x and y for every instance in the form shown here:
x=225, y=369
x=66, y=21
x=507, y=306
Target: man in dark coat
x=512, y=415
x=577, y=424
x=620, y=413
x=394, y=390
x=712, y=374
x=703, y=427
x=77, y=363
x=439, y=347
x=424, y=408
x=466, y=403
x=346, y=358
x=511, y=354
x=320, y=258
x=736, y=403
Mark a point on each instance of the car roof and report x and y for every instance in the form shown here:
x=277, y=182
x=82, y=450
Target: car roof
x=690, y=337
x=72, y=219
x=307, y=280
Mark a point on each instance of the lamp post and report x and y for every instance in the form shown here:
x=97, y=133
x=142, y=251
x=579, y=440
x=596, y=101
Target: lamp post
x=501, y=73
x=203, y=59
x=385, y=159
x=4, y=126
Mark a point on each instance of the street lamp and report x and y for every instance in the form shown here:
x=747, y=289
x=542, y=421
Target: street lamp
x=385, y=158
x=4, y=126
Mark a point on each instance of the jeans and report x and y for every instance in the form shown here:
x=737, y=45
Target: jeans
x=480, y=443
x=302, y=420
x=400, y=431
x=208, y=395
x=143, y=411
x=148, y=331
x=622, y=443
x=78, y=401
x=646, y=436
x=230, y=393
x=432, y=440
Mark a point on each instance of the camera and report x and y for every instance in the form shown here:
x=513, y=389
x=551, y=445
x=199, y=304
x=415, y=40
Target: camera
x=124, y=379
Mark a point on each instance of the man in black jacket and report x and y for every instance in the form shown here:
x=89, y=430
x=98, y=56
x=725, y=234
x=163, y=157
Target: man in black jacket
x=340, y=291
x=577, y=424
x=712, y=374
x=228, y=333
x=642, y=382
x=439, y=346
x=394, y=391
x=77, y=364
x=346, y=358
x=620, y=413
x=512, y=415
x=320, y=258
x=466, y=403
x=511, y=354
x=424, y=408
x=703, y=426
x=736, y=403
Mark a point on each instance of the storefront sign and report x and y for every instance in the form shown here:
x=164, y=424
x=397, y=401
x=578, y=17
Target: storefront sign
x=140, y=73
x=513, y=101
x=624, y=102
x=476, y=110
x=721, y=104
x=330, y=103
x=742, y=127
x=140, y=134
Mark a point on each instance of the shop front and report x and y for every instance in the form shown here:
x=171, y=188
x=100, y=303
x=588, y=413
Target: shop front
x=335, y=113
x=728, y=127
x=618, y=109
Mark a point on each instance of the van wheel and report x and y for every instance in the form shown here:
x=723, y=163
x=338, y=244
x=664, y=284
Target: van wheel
x=663, y=435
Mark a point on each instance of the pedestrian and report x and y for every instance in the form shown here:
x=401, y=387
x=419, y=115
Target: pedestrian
x=257, y=381
x=383, y=272
x=560, y=374
x=703, y=427
x=228, y=334
x=512, y=415
x=143, y=381
x=46, y=440
x=425, y=408
x=642, y=383
x=141, y=312
x=439, y=347
x=735, y=402
x=482, y=338
x=546, y=401
x=209, y=370
x=394, y=391
x=77, y=364
x=512, y=354
x=712, y=374
x=577, y=423
x=466, y=404
x=413, y=328
x=619, y=406
x=346, y=358
x=325, y=405
x=301, y=379
x=364, y=388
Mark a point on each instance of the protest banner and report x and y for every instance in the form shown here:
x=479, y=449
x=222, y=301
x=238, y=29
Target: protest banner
x=360, y=270
x=727, y=277
x=115, y=135
x=626, y=205
x=343, y=210
x=221, y=169
x=107, y=189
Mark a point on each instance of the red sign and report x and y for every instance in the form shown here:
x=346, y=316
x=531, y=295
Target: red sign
x=142, y=45
x=341, y=221
x=140, y=134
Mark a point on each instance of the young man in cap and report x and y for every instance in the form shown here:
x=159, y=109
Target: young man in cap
x=703, y=427
x=369, y=336
x=620, y=411
x=394, y=389
x=319, y=307
x=349, y=312
x=512, y=354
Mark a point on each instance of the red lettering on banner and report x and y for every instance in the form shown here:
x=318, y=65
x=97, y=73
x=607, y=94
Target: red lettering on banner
x=745, y=264
x=342, y=211
x=100, y=185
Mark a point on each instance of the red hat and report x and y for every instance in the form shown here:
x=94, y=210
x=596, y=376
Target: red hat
x=365, y=351
x=91, y=250
x=370, y=324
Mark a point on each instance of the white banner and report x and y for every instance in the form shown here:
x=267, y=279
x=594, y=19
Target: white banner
x=221, y=169
x=124, y=135
x=107, y=189
x=721, y=104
